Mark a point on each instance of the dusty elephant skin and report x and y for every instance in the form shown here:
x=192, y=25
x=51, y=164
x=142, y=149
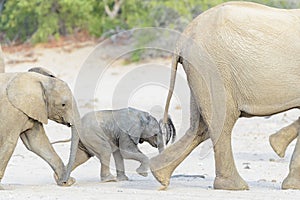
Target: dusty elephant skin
x=118, y=132
x=241, y=60
x=31, y=99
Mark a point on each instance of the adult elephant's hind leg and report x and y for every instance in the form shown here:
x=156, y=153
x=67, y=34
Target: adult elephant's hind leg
x=227, y=176
x=163, y=165
x=292, y=181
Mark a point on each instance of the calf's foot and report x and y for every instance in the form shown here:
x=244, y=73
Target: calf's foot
x=142, y=170
x=122, y=177
x=108, y=178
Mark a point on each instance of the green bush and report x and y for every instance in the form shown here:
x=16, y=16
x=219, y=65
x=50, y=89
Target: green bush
x=39, y=21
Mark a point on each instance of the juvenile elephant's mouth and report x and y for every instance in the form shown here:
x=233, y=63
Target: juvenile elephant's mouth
x=154, y=145
x=67, y=124
x=64, y=122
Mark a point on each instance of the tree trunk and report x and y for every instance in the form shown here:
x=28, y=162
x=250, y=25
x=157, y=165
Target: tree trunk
x=117, y=6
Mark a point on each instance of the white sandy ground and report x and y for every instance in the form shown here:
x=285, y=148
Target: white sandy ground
x=29, y=177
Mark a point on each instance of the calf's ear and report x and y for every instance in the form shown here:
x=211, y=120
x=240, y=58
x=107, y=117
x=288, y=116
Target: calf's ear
x=25, y=92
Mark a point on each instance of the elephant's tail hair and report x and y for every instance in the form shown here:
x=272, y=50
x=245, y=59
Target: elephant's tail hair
x=61, y=141
x=168, y=130
x=175, y=60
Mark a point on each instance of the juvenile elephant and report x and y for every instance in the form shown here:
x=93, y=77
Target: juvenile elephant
x=241, y=60
x=118, y=132
x=27, y=101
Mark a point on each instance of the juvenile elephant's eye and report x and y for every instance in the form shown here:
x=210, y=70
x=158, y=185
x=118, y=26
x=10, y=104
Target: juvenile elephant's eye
x=63, y=105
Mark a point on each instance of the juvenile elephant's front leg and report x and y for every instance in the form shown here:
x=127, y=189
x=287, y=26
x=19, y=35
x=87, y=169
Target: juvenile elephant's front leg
x=36, y=141
x=129, y=150
x=7, y=146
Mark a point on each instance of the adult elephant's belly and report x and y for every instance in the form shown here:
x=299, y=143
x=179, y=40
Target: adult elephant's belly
x=267, y=92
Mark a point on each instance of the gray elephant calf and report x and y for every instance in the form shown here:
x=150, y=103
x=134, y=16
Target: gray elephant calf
x=118, y=132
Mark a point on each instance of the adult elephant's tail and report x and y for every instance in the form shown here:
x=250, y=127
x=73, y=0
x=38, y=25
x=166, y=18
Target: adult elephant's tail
x=175, y=61
x=168, y=128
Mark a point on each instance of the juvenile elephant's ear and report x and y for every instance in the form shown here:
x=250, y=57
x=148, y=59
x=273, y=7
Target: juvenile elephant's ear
x=26, y=93
x=131, y=122
x=138, y=127
x=135, y=133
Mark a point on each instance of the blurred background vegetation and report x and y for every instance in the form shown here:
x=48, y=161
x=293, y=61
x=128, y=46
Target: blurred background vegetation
x=35, y=21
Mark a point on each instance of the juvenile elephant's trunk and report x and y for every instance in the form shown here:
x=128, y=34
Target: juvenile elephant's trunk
x=75, y=129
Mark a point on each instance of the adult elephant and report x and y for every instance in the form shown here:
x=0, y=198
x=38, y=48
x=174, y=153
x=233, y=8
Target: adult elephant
x=27, y=101
x=241, y=60
x=2, y=68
